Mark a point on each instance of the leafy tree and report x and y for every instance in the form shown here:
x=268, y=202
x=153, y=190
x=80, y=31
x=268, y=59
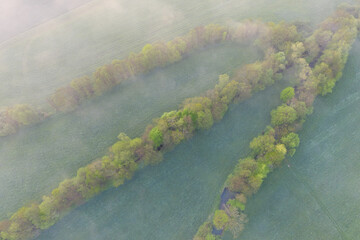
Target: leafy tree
x=205, y=119
x=220, y=219
x=301, y=109
x=83, y=86
x=156, y=136
x=237, y=204
x=210, y=236
x=236, y=221
x=19, y=228
x=324, y=77
x=241, y=198
x=262, y=144
x=64, y=99
x=283, y=115
x=277, y=155
x=104, y=79
x=287, y=94
x=281, y=34
x=291, y=140
x=24, y=114
x=224, y=79
x=239, y=180
x=230, y=91
x=297, y=50
x=204, y=230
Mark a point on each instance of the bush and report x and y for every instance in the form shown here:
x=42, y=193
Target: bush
x=220, y=219
x=291, y=140
x=204, y=230
x=283, y=115
x=287, y=94
x=236, y=203
x=156, y=136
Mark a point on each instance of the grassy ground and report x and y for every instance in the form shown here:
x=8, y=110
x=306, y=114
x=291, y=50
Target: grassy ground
x=35, y=63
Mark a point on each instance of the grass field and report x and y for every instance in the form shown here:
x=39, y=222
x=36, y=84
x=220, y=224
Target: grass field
x=35, y=63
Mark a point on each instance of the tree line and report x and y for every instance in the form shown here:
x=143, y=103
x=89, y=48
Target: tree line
x=127, y=155
x=320, y=60
x=158, y=54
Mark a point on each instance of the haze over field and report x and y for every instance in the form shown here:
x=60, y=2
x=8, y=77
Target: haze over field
x=17, y=16
x=44, y=45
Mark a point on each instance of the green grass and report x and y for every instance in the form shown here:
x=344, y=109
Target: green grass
x=35, y=63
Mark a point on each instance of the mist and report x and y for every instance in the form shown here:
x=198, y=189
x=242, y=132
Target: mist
x=17, y=16
x=45, y=45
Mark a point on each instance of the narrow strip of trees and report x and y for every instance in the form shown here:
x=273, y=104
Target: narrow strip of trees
x=319, y=62
x=159, y=54
x=12, y=118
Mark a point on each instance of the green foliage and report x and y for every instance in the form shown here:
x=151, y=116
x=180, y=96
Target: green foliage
x=244, y=178
x=291, y=152
x=224, y=79
x=237, y=204
x=104, y=79
x=156, y=136
x=64, y=99
x=301, y=109
x=327, y=50
x=204, y=230
x=324, y=77
x=236, y=221
x=24, y=114
x=283, y=115
x=205, y=119
x=19, y=227
x=220, y=219
x=291, y=140
x=276, y=156
x=210, y=236
x=280, y=36
x=262, y=144
x=287, y=94
x=83, y=86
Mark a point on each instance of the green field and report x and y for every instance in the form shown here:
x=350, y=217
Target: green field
x=315, y=199
x=30, y=169
x=35, y=63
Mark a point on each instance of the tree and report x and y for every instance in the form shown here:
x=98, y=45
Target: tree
x=224, y=79
x=298, y=50
x=204, y=230
x=104, y=79
x=205, y=119
x=220, y=219
x=236, y=221
x=262, y=144
x=281, y=34
x=287, y=94
x=24, y=114
x=324, y=76
x=210, y=236
x=156, y=136
x=237, y=204
x=83, y=86
x=243, y=178
x=277, y=155
x=64, y=99
x=291, y=140
x=283, y=115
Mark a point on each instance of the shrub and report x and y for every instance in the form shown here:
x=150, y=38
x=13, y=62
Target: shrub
x=287, y=94
x=220, y=219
